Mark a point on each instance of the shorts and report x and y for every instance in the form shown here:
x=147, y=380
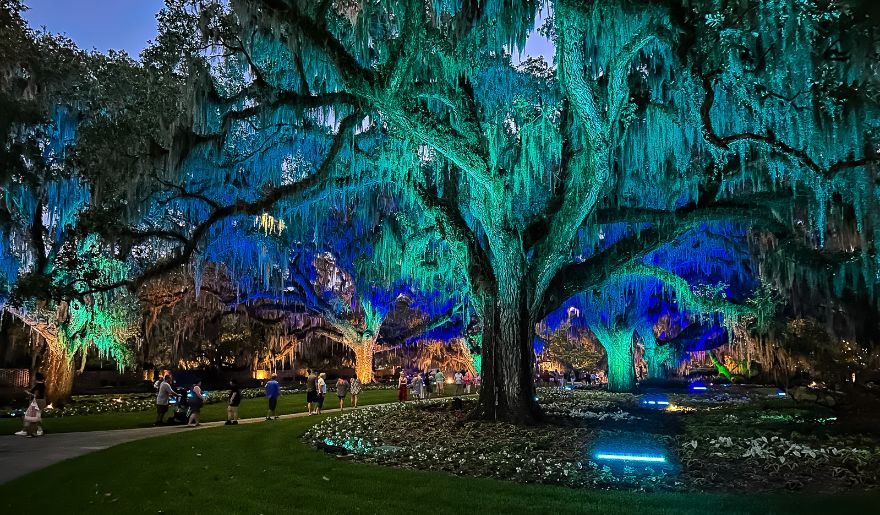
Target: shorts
x=273, y=401
x=195, y=410
x=320, y=400
x=161, y=409
x=312, y=396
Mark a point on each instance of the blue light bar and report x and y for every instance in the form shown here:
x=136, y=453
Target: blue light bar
x=660, y=403
x=630, y=457
x=699, y=388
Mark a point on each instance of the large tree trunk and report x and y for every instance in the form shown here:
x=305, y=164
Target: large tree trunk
x=655, y=356
x=363, y=360
x=508, y=360
x=621, y=366
x=59, y=371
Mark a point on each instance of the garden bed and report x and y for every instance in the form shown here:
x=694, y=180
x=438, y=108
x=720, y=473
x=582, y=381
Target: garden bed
x=722, y=441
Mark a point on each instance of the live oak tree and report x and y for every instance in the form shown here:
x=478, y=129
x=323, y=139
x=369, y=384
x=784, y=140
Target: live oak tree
x=658, y=117
x=50, y=91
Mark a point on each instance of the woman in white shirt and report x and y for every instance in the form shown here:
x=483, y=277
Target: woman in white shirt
x=321, y=387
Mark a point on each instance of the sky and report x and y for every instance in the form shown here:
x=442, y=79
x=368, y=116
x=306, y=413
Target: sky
x=129, y=24
x=100, y=24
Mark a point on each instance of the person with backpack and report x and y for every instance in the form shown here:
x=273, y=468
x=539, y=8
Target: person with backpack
x=234, y=402
x=196, y=401
x=273, y=391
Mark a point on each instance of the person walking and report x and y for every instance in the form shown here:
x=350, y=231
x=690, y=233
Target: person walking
x=426, y=389
x=273, y=391
x=458, y=379
x=312, y=391
x=195, y=404
x=163, y=398
x=38, y=395
x=468, y=380
x=355, y=387
x=440, y=381
x=341, y=391
x=321, y=387
x=418, y=386
x=234, y=402
x=401, y=386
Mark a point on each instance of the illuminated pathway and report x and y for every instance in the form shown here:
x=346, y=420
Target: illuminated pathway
x=20, y=455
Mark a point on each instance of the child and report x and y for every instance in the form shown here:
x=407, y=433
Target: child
x=341, y=391
x=234, y=402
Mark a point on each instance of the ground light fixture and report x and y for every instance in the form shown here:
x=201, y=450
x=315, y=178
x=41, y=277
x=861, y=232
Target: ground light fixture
x=618, y=456
x=655, y=401
x=697, y=387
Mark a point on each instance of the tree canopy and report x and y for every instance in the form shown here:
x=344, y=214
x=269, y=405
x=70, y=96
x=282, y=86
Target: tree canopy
x=673, y=152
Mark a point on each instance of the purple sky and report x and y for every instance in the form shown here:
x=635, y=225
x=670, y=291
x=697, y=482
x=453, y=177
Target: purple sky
x=129, y=24
x=100, y=24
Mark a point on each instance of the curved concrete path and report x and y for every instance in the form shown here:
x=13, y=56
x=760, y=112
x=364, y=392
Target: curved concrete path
x=20, y=455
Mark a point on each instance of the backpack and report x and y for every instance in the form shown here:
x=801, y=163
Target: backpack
x=33, y=413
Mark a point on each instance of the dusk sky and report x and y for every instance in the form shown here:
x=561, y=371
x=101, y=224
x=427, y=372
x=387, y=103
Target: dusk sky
x=100, y=24
x=129, y=24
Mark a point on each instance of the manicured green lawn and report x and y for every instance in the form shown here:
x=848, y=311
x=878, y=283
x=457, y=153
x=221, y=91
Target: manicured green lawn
x=264, y=468
x=293, y=403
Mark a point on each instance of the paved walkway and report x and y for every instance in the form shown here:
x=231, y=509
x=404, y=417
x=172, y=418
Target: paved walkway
x=20, y=455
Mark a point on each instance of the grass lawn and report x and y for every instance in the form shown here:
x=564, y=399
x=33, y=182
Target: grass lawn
x=250, y=408
x=264, y=468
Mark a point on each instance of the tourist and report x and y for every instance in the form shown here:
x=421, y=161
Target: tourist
x=458, y=379
x=355, y=387
x=426, y=388
x=163, y=397
x=38, y=396
x=234, y=402
x=321, y=389
x=341, y=392
x=418, y=386
x=195, y=404
x=478, y=380
x=311, y=391
x=273, y=391
x=468, y=380
x=440, y=381
x=401, y=387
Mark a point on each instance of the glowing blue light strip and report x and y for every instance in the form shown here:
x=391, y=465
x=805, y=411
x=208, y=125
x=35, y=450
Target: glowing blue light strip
x=630, y=457
x=698, y=388
x=662, y=403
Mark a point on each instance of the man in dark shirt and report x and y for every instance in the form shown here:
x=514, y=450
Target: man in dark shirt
x=312, y=391
x=273, y=391
x=234, y=402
